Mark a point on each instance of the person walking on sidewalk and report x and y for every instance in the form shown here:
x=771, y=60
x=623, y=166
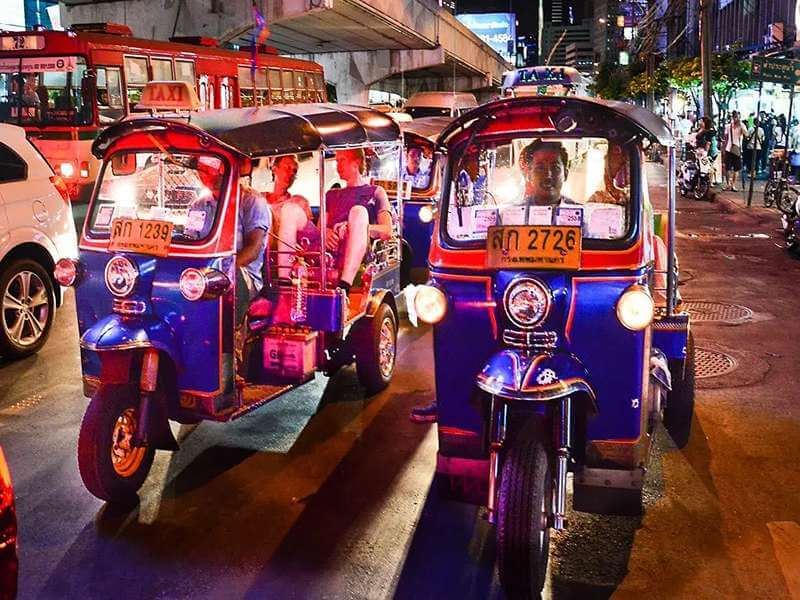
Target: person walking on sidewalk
x=735, y=134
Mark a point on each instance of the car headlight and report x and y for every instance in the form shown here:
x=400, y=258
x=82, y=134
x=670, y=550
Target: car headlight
x=121, y=275
x=67, y=169
x=635, y=308
x=430, y=303
x=527, y=302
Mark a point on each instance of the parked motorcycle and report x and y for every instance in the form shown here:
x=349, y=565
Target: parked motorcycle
x=694, y=178
x=790, y=219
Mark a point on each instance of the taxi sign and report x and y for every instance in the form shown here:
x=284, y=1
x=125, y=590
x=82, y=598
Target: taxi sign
x=169, y=95
x=141, y=236
x=533, y=246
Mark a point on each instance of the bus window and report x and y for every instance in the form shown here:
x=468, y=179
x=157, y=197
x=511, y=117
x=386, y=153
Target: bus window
x=319, y=84
x=262, y=87
x=288, y=89
x=206, y=92
x=245, y=87
x=162, y=69
x=225, y=92
x=109, y=95
x=45, y=91
x=136, y=78
x=300, y=86
x=311, y=86
x=184, y=71
x=275, y=86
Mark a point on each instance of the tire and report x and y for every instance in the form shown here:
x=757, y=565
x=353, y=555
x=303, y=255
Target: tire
x=680, y=400
x=769, y=191
x=28, y=309
x=374, y=343
x=112, y=414
x=701, y=188
x=786, y=201
x=523, y=507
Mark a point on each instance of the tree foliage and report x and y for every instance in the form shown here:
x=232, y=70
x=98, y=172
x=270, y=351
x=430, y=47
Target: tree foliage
x=611, y=82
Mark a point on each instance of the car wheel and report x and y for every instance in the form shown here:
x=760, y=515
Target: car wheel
x=110, y=466
x=28, y=308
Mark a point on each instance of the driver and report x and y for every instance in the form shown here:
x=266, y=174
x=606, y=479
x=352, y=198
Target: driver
x=414, y=172
x=355, y=214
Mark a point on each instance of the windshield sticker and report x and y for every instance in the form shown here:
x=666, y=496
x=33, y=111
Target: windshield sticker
x=125, y=212
x=604, y=221
x=196, y=220
x=483, y=218
x=104, y=215
x=159, y=213
x=569, y=216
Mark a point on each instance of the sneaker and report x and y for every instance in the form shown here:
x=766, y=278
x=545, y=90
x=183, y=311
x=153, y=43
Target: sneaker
x=734, y=188
x=425, y=414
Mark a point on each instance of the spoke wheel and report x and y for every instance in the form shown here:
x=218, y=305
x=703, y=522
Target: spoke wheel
x=374, y=344
x=523, y=515
x=27, y=311
x=111, y=467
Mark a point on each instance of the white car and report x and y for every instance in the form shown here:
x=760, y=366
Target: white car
x=36, y=230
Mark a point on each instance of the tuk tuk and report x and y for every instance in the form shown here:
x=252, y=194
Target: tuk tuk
x=422, y=179
x=559, y=342
x=165, y=334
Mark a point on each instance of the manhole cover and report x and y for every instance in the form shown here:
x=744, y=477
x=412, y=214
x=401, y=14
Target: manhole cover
x=711, y=363
x=717, y=312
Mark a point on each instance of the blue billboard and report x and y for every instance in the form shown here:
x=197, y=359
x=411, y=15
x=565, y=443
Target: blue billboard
x=498, y=30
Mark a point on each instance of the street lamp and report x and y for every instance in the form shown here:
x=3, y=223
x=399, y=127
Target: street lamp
x=601, y=20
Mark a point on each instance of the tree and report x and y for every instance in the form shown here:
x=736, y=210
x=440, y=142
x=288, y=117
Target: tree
x=641, y=84
x=684, y=74
x=611, y=83
x=729, y=75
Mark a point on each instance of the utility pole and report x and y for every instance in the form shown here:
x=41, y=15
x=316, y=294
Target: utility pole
x=706, y=8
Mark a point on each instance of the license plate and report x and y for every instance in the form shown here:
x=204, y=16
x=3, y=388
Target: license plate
x=140, y=236
x=533, y=246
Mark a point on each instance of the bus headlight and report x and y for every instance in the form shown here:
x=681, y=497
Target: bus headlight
x=635, y=308
x=430, y=303
x=426, y=214
x=66, y=169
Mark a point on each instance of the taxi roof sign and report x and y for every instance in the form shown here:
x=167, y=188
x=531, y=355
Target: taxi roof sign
x=169, y=95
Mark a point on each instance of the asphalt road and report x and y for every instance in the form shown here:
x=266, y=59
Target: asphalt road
x=326, y=494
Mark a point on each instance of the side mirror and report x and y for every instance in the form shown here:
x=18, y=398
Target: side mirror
x=123, y=164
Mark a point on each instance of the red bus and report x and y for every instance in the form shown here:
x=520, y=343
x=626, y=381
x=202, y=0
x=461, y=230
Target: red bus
x=64, y=86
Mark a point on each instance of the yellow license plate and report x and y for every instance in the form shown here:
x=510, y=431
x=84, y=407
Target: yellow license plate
x=533, y=246
x=143, y=237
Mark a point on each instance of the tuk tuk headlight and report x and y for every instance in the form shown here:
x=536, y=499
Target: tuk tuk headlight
x=527, y=302
x=635, y=308
x=121, y=275
x=426, y=214
x=430, y=303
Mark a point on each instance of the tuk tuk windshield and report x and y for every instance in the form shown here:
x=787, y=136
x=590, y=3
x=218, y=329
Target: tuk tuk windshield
x=540, y=181
x=184, y=189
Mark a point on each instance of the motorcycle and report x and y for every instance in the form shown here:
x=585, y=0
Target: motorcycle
x=695, y=174
x=790, y=220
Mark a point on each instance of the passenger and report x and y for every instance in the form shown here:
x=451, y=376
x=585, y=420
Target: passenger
x=355, y=214
x=615, y=178
x=284, y=173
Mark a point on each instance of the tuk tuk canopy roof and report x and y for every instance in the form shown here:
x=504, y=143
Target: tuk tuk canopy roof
x=271, y=130
x=426, y=127
x=593, y=117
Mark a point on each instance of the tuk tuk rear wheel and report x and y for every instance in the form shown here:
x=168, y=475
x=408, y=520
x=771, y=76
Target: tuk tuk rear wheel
x=374, y=343
x=523, y=509
x=111, y=467
x=680, y=400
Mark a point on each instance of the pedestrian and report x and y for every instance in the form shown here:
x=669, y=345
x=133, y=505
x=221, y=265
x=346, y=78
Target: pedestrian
x=764, y=147
x=735, y=134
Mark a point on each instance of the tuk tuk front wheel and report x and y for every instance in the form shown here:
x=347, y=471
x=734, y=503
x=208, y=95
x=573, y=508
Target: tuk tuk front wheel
x=374, y=342
x=111, y=467
x=523, y=507
x=680, y=400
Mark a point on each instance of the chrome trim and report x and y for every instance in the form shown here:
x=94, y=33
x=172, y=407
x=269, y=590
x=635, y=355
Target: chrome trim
x=536, y=282
x=562, y=465
x=126, y=346
x=128, y=307
x=499, y=416
x=534, y=341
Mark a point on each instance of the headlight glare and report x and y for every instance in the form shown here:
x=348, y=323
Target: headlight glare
x=426, y=214
x=527, y=302
x=635, y=308
x=430, y=303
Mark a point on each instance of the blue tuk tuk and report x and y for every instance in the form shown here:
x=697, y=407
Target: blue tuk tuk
x=559, y=341
x=165, y=335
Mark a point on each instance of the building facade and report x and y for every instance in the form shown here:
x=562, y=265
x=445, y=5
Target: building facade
x=754, y=25
x=580, y=55
x=556, y=38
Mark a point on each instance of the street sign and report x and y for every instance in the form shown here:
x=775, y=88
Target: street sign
x=776, y=70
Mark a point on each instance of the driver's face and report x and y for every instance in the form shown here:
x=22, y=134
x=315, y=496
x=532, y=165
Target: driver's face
x=412, y=160
x=210, y=178
x=545, y=176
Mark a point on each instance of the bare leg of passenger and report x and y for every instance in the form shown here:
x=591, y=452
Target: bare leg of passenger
x=292, y=219
x=356, y=244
